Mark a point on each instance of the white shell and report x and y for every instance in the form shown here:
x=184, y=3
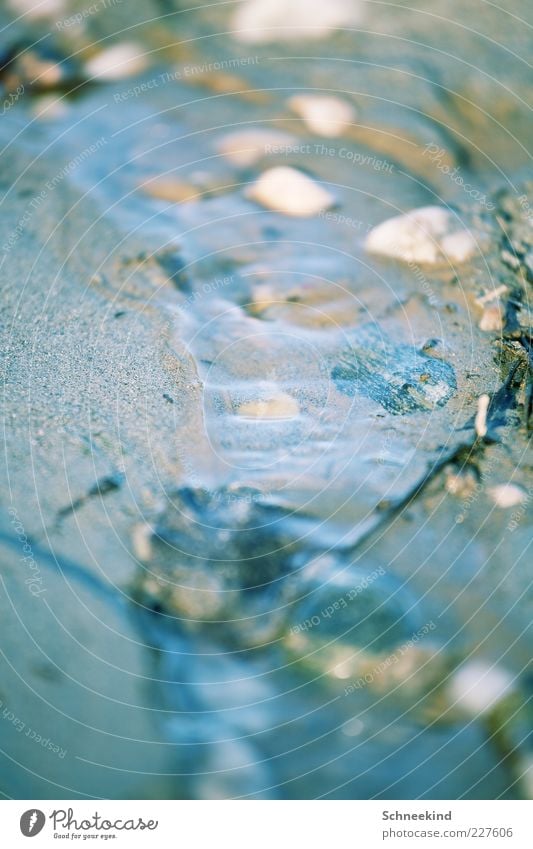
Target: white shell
x=34, y=9
x=290, y=191
x=141, y=538
x=430, y=236
x=492, y=319
x=477, y=687
x=261, y=21
x=117, y=62
x=507, y=495
x=324, y=115
x=480, y=421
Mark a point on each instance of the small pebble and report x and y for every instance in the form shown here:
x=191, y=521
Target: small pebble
x=172, y=189
x=458, y=246
x=117, y=62
x=430, y=235
x=246, y=147
x=34, y=9
x=481, y=415
x=262, y=21
x=264, y=295
x=507, y=495
x=324, y=115
x=291, y=192
x=492, y=319
x=478, y=687
x=462, y=484
x=141, y=540
x=280, y=406
x=38, y=69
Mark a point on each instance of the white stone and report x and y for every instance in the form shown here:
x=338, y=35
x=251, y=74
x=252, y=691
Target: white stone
x=324, y=115
x=480, y=422
x=291, y=192
x=246, y=147
x=141, y=538
x=264, y=295
x=458, y=246
x=261, y=21
x=477, y=687
x=507, y=495
x=34, y=9
x=430, y=236
x=117, y=62
x=492, y=319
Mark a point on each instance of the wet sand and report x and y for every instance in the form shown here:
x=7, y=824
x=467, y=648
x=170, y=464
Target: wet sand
x=267, y=476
